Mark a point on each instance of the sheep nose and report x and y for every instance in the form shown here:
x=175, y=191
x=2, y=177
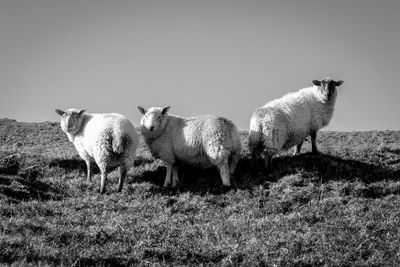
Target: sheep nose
x=151, y=128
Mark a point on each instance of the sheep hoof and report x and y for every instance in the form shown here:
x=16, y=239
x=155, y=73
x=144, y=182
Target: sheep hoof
x=175, y=184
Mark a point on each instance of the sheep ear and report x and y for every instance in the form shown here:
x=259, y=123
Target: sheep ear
x=165, y=110
x=81, y=112
x=316, y=82
x=339, y=83
x=141, y=110
x=59, y=112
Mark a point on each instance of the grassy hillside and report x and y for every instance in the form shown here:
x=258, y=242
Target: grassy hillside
x=338, y=208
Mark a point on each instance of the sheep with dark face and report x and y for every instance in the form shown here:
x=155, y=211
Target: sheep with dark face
x=110, y=139
x=286, y=122
x=204, y=141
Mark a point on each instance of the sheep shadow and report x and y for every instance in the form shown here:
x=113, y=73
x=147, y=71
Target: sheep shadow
x=108, y=261
x=324, y=167
x=191, y=178
x=329, y=167
x=16, y=189
x=73, y=164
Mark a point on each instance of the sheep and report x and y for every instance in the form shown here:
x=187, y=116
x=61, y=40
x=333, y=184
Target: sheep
x=203, y=141
x=110, y=139
x=287, y=121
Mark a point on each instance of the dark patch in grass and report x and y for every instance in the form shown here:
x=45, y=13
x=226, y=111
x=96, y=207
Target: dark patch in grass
x=14, y=165
x=374, y=191
x=170, y=202
x=31, y=173
x=33, y=257
x=283, y=207
x=165, y=256
x=331, y=168
x=25, y=228
x=16, y=189
x=9, y=165
x=218, y=202
x=7, y=212
x=102, y=237
x=390, y=150
x=65, y=237
x=7, y=252
x=142, y=160
x=37, y=229
x=393, y=162
x=196, y=258
x=111, y=261
x=238, y=258
x=26, y=253
x=160, y=255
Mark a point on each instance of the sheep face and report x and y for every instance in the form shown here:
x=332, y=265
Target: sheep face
x=154, y=120
x=71, y=120
x=328, y=87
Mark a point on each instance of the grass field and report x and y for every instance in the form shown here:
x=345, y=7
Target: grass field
x=338, y=208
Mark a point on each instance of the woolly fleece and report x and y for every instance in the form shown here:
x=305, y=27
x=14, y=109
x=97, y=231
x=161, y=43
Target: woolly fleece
x=110, y=139
x=287, y=121
x=204, y=141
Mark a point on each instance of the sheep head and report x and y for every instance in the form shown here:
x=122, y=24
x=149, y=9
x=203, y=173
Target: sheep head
x=153, y=121
x=328, y=87
x=71, y=120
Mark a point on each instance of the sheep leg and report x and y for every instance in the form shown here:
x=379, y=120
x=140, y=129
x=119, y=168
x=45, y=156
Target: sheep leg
x=267, y=161
x=234, y=162
x=298, y=148
x=255, y=160
x=314, y=142
x=103, y=171
x=122, y=175
x=175, y=179
x=89, y=172
x=167, y=180
x=224, y=172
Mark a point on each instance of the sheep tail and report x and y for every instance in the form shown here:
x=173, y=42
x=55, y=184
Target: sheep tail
x=117, y=142
x=120, y=143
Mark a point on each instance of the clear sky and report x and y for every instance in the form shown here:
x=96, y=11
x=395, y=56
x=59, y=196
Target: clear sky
x=222, y=57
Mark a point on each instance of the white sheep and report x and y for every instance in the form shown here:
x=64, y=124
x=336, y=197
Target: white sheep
x=203, y=141
x=110, y=139
x=287, y=121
